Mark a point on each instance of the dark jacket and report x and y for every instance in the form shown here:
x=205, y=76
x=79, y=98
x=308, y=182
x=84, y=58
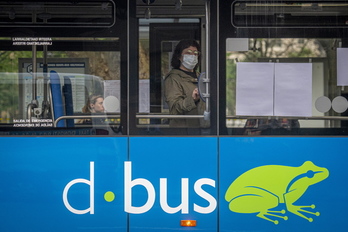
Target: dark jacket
x=178, y=88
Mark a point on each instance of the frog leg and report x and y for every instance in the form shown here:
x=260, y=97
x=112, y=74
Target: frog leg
x=296, y=209
x=258, y=200
x=271, y=213
x=269, y=197
x=290, y=198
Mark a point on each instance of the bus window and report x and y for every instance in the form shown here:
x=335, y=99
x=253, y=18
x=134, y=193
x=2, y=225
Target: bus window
x=289, y=14
x=50, y=89
x=159, y=34
x=283, y=86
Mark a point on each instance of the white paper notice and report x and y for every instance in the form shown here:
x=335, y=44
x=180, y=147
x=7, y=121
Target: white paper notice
x=293, y=89
x=112, y=88
x=237, y=44
x=342, y=66
x=254, y=94
x=144, y=96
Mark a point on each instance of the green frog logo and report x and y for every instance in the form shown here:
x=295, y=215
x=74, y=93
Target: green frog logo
x=263, y=188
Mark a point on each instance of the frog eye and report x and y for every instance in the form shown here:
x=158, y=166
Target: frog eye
x=310, y=174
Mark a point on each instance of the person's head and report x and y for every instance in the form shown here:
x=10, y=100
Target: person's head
x=94, y=104
x=186, y=55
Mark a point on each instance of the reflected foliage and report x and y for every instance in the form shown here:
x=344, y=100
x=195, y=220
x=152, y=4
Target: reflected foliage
x=9, y=93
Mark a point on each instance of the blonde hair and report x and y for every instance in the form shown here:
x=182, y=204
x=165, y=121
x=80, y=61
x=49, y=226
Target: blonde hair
x=91, y=100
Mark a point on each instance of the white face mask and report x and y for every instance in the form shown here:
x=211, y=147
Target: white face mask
x=189, y=61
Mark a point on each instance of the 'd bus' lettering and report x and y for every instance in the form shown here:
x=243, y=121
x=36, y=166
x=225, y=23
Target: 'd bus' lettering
x=183, y=207
x=129, y=184
x=91, y=193
x=184, y=197
x=204, y=195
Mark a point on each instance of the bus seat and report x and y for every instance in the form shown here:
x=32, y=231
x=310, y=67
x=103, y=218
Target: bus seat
x=57, y=99
x=67, y=93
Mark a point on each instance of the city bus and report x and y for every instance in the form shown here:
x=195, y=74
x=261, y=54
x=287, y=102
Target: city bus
x=268, y=153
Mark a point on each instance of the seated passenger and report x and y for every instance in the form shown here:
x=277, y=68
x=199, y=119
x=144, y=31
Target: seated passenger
x=256, y=126
x=94, y=105
x=180, y=85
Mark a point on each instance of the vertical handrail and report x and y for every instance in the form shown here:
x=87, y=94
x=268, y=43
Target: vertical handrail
x=207, y=52
x=34, y=103
x=128, y=67
x=34, y=70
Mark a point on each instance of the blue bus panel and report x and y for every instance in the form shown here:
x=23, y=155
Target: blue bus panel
x=283, y=184
x=62, y=184
x=154, y=183
x=180, y=175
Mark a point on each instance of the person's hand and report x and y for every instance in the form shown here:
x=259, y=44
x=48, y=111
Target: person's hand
x=195, y=94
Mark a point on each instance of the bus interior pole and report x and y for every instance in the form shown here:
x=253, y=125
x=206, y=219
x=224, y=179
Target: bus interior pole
x=45, y=105
x=34, y=103
x=207, y=44
x=34, y=96
x=34, y=53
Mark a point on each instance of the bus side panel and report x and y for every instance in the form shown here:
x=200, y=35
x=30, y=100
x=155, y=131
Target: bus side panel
x=48, y=184
x=283, y=184
x=176, y=180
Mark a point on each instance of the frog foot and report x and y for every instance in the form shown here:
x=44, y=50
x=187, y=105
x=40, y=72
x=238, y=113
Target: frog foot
x=272, y=213
x=295, y=209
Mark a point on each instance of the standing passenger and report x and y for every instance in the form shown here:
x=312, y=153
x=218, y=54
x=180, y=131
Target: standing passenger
x=180, y=86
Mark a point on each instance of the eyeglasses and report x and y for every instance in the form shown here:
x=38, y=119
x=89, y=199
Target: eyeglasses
x=190, y=52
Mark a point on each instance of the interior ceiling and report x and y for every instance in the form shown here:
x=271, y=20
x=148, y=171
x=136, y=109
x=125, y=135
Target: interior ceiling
x=295, y=8
x=90, y=13
x=38, y=13
x=171, y=8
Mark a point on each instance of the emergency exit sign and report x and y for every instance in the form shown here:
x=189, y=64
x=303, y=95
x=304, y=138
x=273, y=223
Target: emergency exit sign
x=31, y=41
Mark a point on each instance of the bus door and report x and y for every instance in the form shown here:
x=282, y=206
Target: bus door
x=163, y=39
x=170, y=171
x=161, y=26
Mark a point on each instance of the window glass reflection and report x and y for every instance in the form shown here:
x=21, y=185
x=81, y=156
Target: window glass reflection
x=318, y=54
